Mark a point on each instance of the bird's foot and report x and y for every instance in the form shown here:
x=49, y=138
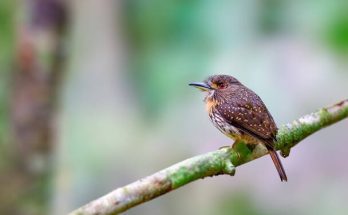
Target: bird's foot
x=230, y=148
x=238, y=155
x=235, y=148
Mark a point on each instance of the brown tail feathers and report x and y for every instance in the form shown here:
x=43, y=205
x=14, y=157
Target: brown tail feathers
x=278, y=164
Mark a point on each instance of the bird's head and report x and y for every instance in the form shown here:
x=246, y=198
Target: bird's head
x=216, y=85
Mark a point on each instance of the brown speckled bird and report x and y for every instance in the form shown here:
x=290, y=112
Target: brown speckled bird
x=240, y=114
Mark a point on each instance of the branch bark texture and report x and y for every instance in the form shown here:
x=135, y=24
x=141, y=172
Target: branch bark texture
x=223, y=161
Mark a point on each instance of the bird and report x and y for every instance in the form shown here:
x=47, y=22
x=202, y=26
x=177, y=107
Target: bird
x=240, y=114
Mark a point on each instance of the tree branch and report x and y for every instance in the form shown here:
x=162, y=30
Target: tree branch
x=218, y=162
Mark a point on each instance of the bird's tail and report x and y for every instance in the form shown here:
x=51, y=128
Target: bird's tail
x=278, y=164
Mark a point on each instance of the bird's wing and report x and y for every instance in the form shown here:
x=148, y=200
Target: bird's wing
x=246, y=111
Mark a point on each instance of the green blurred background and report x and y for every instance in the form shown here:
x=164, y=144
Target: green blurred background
x=94, y=95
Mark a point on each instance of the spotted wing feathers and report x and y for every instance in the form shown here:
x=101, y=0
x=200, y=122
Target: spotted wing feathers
x=246, y=111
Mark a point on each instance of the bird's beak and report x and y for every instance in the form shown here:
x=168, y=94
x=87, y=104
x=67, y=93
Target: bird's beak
x=201, y=85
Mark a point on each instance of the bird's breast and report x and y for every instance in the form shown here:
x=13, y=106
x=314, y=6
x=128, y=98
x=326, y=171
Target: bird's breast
x=210, y=105
x=230, y=130
x=220, y=123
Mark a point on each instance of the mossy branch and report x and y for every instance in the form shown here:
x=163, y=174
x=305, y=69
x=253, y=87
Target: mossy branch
x=223, y=161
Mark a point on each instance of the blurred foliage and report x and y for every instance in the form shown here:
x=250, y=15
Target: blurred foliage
x=154, y=27
x=337, y=31
x=240, y=203
x=7, y=35
x=271, y=16
x=170, y=41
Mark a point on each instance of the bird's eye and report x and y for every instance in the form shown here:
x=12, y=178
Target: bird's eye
x=221, y=85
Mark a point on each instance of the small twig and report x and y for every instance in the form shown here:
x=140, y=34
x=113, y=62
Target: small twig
x=218, y=162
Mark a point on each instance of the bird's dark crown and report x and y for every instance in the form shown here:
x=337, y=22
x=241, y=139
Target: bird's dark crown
x=219, y=82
